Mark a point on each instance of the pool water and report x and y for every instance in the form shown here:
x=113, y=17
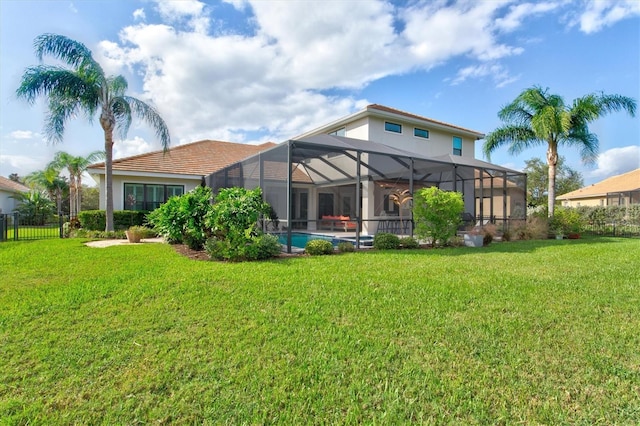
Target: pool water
x=300, y=239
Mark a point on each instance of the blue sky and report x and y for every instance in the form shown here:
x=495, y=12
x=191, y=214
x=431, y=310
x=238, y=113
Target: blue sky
x=254, y=71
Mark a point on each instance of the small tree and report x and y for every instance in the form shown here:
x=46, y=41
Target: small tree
x=400, y=198
x=436, y=214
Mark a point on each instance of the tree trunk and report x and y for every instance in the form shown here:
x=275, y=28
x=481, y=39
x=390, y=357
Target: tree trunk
x=107, y=121
x=79, y=193
x=72, y=196
x=552, y=160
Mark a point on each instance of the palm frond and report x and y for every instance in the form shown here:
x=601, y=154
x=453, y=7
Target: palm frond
x=614, y=103
x=71, y=52
x=520, y=136
x=147, y=113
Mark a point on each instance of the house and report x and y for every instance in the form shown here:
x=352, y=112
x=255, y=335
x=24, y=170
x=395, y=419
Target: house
x=352, y=166
x=8, y=189
x=337, y=177
x=622, y=189
x=143, y=182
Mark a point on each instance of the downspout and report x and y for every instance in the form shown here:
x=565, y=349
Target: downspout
x=411, y=192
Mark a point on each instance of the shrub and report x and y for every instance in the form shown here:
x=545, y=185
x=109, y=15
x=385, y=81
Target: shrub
x=318, y=247
x=262, y=247
x=182, y=219
x=437, y=214
x=234, y=218
x=386, y=241
x=95, y=220
x=217, y=249
x=409, y=243
x=534, y=228
x=345, y=247
x=567, y=221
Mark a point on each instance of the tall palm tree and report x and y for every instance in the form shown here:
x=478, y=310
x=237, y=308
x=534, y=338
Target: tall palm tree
x=84, y=87
x=536, y=117
x=76, y=166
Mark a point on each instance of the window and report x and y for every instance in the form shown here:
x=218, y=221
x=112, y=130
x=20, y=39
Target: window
x=420, y=133
x=140, y=196
x=340, y=132
x=392, y=127
x=457, y=145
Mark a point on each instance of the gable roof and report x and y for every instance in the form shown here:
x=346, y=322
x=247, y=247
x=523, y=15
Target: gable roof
x=11, y=186
x=391, y=113
x=629, y=181
x=196, y=158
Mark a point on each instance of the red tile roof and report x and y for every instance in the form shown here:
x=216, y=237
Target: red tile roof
x=197, y=158
x=11, y=186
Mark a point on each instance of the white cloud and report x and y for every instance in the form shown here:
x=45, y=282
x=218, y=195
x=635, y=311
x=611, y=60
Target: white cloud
x=139, y=15
x=616, y=161
x=513, y=19
x=24, y=134
x=495, y=71
x=21, y=164
x=603, y=13
x=275, y=80
x=129, y=147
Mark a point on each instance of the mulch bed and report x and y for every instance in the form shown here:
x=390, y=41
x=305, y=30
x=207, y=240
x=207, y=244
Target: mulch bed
x=202, y=255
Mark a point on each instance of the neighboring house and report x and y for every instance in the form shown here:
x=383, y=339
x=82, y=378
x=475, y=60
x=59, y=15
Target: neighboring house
x=622, y=189
x=145, y=181
x=9, y=188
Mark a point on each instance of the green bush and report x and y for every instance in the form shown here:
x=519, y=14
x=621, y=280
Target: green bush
x=318, y=247
x=182, y=219
x=437, y=214
x=95, y=220
x=263, y=247
x=566, y=220
x=346, y=247
x=409, y=243
x=386, y=241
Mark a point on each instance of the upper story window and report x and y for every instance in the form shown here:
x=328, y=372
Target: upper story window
x=392, y=127
x=339, y=132
x=457, y=145
x=420, y=133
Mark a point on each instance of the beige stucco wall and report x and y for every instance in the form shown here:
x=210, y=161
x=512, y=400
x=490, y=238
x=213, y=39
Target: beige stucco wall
x=438, y=143
x=595, y=201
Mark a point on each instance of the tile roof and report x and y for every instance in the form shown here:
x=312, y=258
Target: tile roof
x=196, y=158
x=11, y=186
x=629, y=181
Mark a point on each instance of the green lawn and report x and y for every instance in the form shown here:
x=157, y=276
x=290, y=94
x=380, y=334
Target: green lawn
x=541, y=332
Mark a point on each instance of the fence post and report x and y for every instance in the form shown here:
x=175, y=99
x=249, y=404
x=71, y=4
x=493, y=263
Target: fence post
x=3, y=218
x=16, y=217
x=61, y=225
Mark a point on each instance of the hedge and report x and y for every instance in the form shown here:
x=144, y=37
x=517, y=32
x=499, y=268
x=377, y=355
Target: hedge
x=96, y=220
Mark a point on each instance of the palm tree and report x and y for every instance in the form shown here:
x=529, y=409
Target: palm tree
x=84, y=87
x=76, y=166
x=536, y=117
x=50, y=181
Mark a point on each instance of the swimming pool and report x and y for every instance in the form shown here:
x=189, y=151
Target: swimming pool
x=300, y=239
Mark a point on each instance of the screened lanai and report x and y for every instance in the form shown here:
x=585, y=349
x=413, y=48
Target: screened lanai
x=336, y=185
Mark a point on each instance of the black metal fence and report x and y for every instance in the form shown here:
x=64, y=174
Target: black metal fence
x=613, y=230
x=14, y=227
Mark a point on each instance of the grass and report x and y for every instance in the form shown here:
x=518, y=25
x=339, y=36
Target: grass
x=538, y=332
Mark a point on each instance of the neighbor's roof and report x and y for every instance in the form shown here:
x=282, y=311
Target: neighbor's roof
x=198, y=158
x=390, y=113
x=629, y=181
x=11, y=186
